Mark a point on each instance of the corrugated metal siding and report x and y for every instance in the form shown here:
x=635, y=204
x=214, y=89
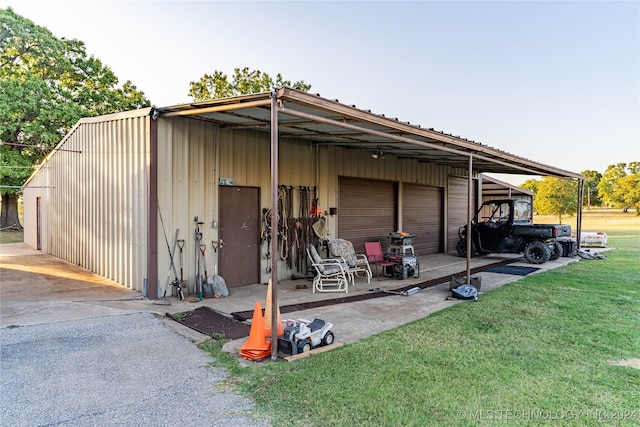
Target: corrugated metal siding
x=457, y=202
x=39, y=187
x=337, y=161
x=96, y=206
x=201, y=154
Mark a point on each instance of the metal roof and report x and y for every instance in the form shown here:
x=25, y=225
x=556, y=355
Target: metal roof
x=329, y=122
x=492, y=186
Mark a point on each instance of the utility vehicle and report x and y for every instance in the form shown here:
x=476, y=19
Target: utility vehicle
x=504, y=226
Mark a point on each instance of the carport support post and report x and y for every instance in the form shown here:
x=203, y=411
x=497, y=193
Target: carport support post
x=579, y=213
x=274, y=226
x=152, y=215
x=469, y=198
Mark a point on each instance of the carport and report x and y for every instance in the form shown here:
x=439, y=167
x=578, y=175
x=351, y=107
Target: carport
x=288, y=112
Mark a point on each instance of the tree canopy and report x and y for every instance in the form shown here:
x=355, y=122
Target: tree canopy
x=592, y=179
x=46, y=85
x=620, y=186
x=556, y=196
x=243, y=82
x=531, y=185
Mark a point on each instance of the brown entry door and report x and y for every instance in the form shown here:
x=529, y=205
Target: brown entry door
x=239, y=234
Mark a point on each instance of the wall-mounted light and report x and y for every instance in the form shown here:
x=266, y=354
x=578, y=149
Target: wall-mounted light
x=378, y=154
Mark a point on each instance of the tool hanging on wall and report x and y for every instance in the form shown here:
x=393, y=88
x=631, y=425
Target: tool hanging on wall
x=198, y=238
x=293, y=234
x=285, y=210
x=183, y=283
x=265, y=236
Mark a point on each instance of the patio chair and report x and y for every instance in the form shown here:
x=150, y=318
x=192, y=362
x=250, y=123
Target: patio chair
x=357, y=263
x=331, y=274
x=375, y=256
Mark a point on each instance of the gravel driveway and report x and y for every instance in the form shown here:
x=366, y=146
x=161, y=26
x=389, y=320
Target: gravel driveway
x=128, y=370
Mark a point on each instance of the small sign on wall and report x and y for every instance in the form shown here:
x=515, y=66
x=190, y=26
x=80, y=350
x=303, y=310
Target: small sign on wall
x=227, y=181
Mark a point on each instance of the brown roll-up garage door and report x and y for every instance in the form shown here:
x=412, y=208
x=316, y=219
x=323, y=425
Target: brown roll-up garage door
x=366, y=211
x=457, y=207
x=422, y=215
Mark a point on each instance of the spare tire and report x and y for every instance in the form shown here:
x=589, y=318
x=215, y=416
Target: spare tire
x=536, y=252
x=461, y=248
x=557, y=251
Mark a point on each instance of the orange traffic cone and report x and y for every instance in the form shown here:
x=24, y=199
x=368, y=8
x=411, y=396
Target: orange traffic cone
x=267, y=315
x=256, y=347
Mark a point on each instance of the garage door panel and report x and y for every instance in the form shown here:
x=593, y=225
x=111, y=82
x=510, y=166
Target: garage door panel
x=422, y=215
x=366, y=211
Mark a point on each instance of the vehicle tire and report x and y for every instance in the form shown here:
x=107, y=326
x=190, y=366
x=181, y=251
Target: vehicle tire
x=536, y=252
x=304, y=346
x=556, y=252
x=461, y=248
x=328, y=339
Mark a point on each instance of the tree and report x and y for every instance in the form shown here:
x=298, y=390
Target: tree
x=592, y=179
x=531, y=185
x=244, y=82
x=614, y=186
x=46, y=85
x=620, y=186
x=556, y=196
x=630, y=186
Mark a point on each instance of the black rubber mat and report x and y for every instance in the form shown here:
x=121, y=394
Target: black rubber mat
x=210, y=322
x=512, y=269
x=245, y=315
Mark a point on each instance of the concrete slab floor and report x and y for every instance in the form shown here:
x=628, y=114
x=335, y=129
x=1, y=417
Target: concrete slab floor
x=37, y=288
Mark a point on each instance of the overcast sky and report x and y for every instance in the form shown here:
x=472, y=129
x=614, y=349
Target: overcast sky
x=554, y=82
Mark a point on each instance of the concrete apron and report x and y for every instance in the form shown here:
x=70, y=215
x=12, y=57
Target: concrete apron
x=37, y=288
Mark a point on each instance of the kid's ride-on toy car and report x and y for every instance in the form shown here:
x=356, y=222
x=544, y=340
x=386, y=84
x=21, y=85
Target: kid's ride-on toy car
x=301, y=336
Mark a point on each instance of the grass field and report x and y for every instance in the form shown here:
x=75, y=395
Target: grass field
x=606, y=220
x=561, y=347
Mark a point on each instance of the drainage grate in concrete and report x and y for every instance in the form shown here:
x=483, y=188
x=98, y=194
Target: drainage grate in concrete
x=210, y=322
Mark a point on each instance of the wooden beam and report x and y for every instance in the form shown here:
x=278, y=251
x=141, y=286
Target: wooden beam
x=313, y=351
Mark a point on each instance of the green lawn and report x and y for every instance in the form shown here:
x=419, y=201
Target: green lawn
x=546, y=350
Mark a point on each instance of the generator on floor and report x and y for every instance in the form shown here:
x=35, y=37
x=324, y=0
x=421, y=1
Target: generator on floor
x=406, y=265
x=300, y=336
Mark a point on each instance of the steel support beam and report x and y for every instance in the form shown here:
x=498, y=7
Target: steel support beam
x=152, y=211
x=274, y=226
x=579, y=213
x=216, y=108
x=469, y=214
